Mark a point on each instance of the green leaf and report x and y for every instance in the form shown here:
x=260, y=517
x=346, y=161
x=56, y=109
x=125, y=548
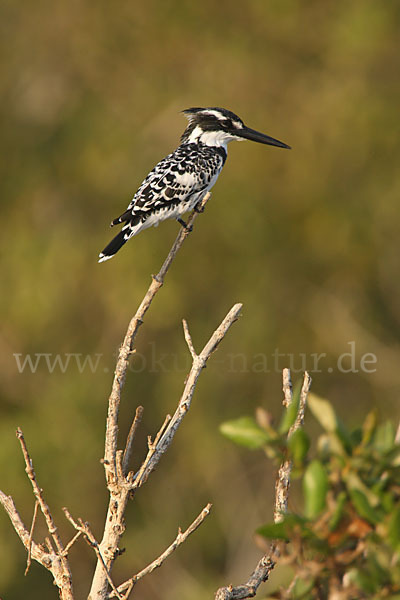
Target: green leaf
x=274, y=531
x=338, y=512
x=387, y=502
x=290, y=414
x=329, y=445
x=356, y=437
x=393, y=456
x=362, y=580
x=302, y=588
x=245, y=432
x=325, y=414
x=323, y=411
x=363, y=507
x=299, y=444
x=369, y=427
x=379, y=573
x=394, y=529
x=384, y=437
x=283, y=530
x=315, y=487
x=353, y=482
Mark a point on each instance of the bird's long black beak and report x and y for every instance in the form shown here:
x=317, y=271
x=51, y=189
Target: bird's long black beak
x=257, y=136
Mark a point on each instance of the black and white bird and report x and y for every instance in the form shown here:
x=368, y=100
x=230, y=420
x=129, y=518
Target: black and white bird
x=180, y=180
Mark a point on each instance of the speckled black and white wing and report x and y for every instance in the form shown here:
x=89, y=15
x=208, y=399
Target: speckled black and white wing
x=173, y=187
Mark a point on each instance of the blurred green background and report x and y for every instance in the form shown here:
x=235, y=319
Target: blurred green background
x=307, y=240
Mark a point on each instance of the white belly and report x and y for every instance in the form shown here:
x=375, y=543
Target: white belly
x=168, y=213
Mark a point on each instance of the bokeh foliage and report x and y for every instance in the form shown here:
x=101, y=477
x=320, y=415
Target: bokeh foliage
x=307, y=240
x=343, y=541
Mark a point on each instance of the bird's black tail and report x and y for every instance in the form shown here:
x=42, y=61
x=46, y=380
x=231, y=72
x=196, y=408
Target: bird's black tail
x=113, y=247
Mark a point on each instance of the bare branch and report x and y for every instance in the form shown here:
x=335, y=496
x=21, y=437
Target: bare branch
x=152, y=447
x=287, y=388
x=37, y=553
x=65, y=585
x=121, y=485
x=126, y=350
x=129, y=441
x=266, y=564
x=303, y=402
x=72, y=542
x=127, y=586
x=51, y=526
x=123, y=489
x=28, y=560
x=50, y=560
x=84, y=528
x=283, y=479
x=188, y=339
x=199, y=362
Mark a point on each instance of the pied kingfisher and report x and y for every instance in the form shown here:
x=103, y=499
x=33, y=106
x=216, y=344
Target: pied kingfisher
x=180, y=180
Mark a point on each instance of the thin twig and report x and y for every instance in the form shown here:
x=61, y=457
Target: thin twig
x=129, y=440
x=37, y=552
x=283, y=479
x=72, y=542
x=266, y=564
x=61, y=571
x=51, y=526
x=188, y=339
x=288, y=592
x=28, y=560
x=53, y=560
x=152, y=447
x=127, y=586
x=305, y=388
x=91, y=540
x=287, y=388
x=199, y=362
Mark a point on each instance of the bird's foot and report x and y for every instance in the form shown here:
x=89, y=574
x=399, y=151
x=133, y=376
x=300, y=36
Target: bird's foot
x=184, y=225
x=198, y=208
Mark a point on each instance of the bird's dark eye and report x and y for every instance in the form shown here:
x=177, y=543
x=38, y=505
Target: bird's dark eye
x=228, y=123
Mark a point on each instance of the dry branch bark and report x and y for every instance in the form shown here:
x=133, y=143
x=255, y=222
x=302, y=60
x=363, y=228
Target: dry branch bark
x=55, y=560
x=124, y=487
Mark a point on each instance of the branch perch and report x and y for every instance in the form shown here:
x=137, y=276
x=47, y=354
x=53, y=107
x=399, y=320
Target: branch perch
x=125, y=350
x=268, y=561
x=121, y=483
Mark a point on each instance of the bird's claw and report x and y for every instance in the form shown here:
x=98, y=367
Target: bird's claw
x=185, y=226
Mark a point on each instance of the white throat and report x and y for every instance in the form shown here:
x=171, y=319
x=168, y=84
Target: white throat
x=211, y=138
